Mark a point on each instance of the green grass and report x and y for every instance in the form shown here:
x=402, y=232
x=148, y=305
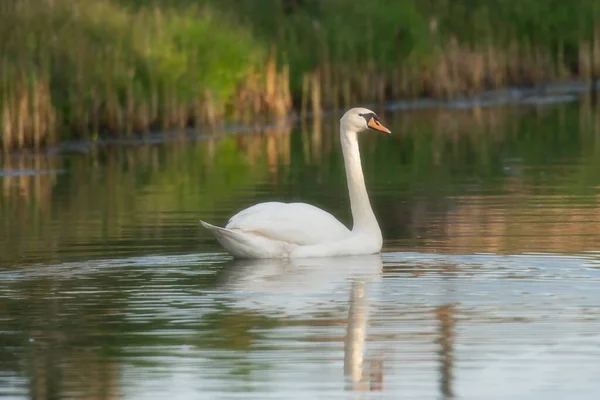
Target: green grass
x=83, y=68
x=528, y=40
x=107, y=68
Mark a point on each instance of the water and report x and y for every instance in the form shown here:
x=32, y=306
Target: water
x=487, y=286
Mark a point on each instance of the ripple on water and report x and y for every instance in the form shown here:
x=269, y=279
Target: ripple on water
x=426, y=324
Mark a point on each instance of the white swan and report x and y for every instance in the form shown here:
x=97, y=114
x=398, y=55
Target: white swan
x=298, y=230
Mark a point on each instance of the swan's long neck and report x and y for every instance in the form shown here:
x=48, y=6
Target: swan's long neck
x=362, y=213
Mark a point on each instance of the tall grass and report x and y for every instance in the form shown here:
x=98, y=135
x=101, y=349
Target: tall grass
x=82, y=68
x=79, y=68
x=365, y=52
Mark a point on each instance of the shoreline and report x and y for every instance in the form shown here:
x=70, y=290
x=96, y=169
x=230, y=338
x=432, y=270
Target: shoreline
x=542, y=95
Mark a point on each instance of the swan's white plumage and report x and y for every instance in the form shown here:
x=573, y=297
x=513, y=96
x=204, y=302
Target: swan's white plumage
x=297, y=230
x=295, y=223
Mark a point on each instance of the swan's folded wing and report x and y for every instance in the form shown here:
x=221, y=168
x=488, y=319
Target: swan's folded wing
x=294, y=223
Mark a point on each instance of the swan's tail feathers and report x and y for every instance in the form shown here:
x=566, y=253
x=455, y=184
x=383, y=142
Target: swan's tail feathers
x=210, y=227
x=235, y=242
x=221, y=232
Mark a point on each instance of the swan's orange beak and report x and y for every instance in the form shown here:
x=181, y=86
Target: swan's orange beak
x=377, y=126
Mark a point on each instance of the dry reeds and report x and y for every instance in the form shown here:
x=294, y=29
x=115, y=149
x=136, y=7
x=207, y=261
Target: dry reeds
x=266, y=93
x=90, y=68
x=28, y=117
x=456, y=70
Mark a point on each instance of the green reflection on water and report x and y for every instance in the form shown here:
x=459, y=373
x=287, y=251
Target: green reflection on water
x=125, y=200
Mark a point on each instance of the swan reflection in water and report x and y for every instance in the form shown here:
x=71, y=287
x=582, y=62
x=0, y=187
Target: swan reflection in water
x=299, y=286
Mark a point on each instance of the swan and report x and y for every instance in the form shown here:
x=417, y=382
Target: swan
x=300, y=230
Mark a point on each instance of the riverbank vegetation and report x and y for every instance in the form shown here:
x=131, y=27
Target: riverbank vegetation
x=77, y=69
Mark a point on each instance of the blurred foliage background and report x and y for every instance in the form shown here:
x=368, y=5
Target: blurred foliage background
x=86, y=68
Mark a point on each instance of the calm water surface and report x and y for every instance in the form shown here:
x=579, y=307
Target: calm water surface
x=488, y=286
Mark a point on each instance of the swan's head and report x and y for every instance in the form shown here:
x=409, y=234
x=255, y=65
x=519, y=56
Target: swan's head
x=362, y=119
